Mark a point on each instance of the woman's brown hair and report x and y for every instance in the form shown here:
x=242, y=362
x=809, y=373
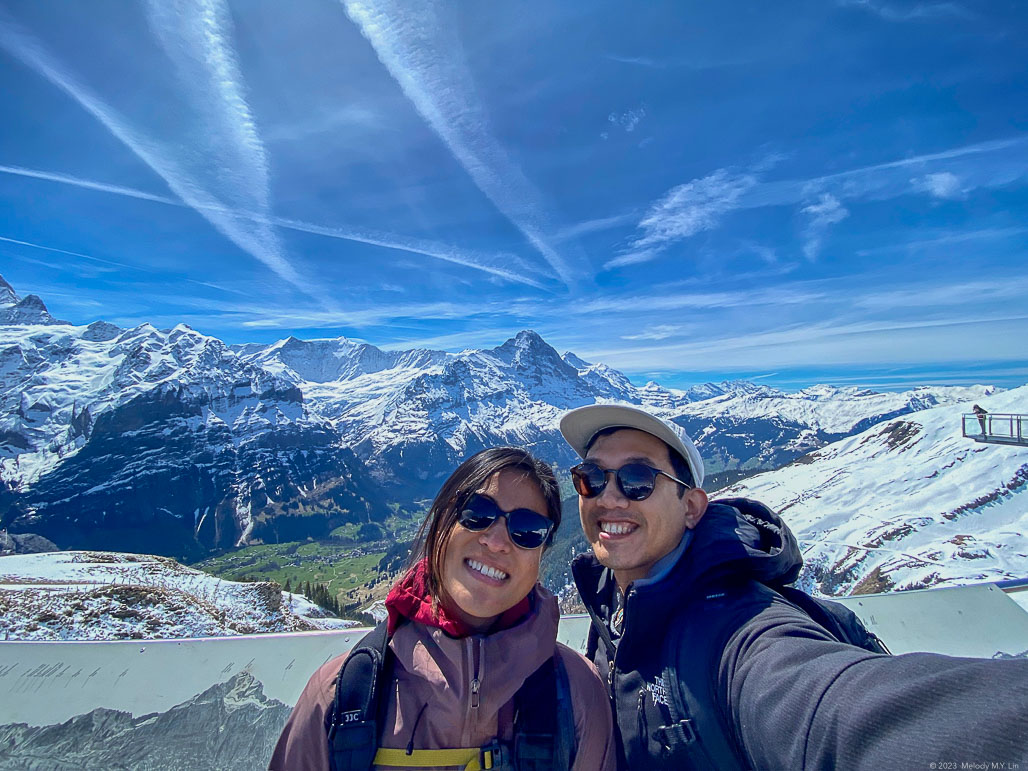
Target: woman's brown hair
x=468, y=477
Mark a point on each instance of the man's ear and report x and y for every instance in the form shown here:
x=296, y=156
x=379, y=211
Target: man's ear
x=696, y=506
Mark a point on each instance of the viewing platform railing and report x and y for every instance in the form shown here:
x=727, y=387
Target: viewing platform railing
x=998, y=427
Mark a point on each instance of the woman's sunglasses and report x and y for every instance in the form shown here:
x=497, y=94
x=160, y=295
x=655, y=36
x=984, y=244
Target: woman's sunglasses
x=635, y=480
x=526, y=528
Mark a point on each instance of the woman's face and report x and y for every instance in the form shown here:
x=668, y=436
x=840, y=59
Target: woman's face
x=471, y=588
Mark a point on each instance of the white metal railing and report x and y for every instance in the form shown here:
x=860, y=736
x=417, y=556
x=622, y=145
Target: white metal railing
x=1003, y=427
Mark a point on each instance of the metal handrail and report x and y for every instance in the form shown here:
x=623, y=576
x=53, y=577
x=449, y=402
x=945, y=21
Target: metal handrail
x=1004, y=427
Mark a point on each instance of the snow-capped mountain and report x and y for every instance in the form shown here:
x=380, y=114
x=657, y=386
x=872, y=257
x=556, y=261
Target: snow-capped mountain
x=908, y=503
x=166, y=441
x=413, y=415
x=171, y=442
x=15, y=310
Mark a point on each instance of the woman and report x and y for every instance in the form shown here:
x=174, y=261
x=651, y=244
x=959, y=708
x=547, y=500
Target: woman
x=468, y=624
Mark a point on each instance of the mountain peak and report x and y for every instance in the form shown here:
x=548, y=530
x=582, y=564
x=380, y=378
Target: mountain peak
x=29, y=310
x=529, y=337
x=7, y=294
x=526, y=341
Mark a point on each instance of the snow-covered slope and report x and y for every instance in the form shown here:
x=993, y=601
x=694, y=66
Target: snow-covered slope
x=756, y=427
x=907, y=503
x=110, y=596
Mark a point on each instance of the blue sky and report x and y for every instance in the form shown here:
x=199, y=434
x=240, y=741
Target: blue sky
x=824, y=191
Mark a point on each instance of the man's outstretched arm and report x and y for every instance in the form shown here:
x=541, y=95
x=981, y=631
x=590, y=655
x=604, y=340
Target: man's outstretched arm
x=802, y=700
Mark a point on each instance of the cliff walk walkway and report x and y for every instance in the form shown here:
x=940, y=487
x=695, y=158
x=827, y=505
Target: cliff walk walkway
x=996, y=427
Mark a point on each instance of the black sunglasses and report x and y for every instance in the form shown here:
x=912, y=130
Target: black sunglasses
x=635, y=480
x=526, y=528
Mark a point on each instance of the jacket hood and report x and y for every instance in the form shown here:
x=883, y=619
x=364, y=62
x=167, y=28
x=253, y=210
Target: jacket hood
x=737, y=539
x=742, y=538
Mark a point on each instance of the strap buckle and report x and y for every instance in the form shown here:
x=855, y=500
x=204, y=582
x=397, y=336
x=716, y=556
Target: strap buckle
x=492, y=756
x=679, y=732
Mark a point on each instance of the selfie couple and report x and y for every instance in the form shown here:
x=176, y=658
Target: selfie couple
x=700, y=653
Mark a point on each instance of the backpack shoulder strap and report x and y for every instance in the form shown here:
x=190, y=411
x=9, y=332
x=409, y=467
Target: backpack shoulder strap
x=841, y=622
x=352, y=723
x=700, y=735
x=544, y=723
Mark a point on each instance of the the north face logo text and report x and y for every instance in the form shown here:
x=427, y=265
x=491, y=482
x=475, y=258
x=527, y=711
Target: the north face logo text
x=658, y=691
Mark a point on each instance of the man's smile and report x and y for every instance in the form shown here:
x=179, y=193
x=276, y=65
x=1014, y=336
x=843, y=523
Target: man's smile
x=614, y=528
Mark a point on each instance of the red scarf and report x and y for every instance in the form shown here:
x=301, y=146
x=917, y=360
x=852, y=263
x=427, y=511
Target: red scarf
x=409, y=598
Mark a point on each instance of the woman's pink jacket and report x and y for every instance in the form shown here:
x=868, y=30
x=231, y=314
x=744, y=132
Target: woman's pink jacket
x=433, y=673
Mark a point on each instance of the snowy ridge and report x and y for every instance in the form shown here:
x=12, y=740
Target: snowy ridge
x=110, y=596
x=908, y=503
x=57, y=380
x=170, y=441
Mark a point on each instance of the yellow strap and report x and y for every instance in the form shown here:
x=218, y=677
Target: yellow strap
x=467, y=757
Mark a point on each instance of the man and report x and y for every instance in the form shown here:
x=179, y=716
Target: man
x=756, y=683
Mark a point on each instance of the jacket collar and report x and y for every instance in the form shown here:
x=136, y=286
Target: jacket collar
x=737, y=539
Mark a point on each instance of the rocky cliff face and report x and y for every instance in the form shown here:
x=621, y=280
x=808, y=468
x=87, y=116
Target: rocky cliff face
x=24, y=543
x=231, y=725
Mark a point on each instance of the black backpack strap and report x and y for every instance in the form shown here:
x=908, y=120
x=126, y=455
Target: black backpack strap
x=544, y=722
x=841, y=622
x=353, y=721
x=700, y=735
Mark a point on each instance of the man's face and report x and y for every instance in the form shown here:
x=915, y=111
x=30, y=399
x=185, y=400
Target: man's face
x=629, y=537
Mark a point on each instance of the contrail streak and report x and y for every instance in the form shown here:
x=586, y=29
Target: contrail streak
x=519, y=272
x=422, y=56
x=241, y=232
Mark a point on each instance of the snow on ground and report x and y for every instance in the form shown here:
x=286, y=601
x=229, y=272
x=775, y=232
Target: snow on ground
x=90, y=595
x=909, y=503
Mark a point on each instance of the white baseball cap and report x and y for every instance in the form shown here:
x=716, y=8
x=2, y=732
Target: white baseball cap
x=580, y=425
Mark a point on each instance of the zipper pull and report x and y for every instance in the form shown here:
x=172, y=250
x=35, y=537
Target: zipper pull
x=475, y=686
x=610, y=675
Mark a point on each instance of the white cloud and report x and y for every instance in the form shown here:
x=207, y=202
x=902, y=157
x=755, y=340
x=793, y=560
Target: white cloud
x=423, y=54
x=985, y=234
x=685, y=211
x=986, y=164
x=596, y=225
x=822, y=215
x=351, y=115
x=908, y=11
x=628, y=119
x=943, y=184
x=642, y=61
x=659, y=332
x=970, y=339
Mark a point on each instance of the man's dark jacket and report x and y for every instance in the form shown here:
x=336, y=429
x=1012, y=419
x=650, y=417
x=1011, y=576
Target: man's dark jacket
x=773, y=690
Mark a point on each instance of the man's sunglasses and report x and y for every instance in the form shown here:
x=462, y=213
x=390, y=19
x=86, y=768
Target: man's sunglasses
x=635, y=480
x=526, y=528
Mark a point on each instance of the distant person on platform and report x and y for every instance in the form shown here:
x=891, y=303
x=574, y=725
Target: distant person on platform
x=981, y=413
x=708, y=666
